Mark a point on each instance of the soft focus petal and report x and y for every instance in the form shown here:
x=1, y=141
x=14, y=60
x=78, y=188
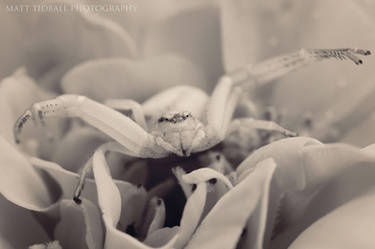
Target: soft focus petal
x=349, y=226
x=286, y=153
x=80, y=226
x=193, y=33
x=161, y=237
x=32, y=40
x=18, y=227
x=136, y=79
x=223, y=226
x=255, y=30
x=20, y=183
x=334, y=174
x=142, y=14
x=76, y=147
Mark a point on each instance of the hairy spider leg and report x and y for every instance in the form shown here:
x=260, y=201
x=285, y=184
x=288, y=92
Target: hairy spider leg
x=226, y=94
x=271, y=69
x=113, y=123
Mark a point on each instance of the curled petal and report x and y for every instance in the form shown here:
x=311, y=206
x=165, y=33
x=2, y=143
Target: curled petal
x=80, y=226
x=229, y=216
x=126, y=78
x=190, y=218
x=109, y=199
x=186, y=187
x=286, y=153
x=154, y=217
x=369, y=149
x=20, y=183
x=205, y=174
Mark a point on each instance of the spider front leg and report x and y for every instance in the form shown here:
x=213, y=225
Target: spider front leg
x=121, y=128
x=227, y=92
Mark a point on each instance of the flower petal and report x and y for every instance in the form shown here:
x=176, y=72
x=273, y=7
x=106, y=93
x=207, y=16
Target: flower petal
x=126, y=78
x=349, y=226
x=334, y=174
x=109, y=198
x=229, y=216
x=50, y=52
x=80, y=225
x=255, y=30
x=76, y=147
x=190, y=218
x=161, y=237
x=193, y=33
x=20, y=183
x=286, y=153
x=18, y=227
x=205, y=174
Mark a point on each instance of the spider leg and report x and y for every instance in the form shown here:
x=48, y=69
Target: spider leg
x=113, y=123
x=277, y=67
x=224, y=98
x=129, y=105
x=99, y=153
x=220, y=109
x=259, y=125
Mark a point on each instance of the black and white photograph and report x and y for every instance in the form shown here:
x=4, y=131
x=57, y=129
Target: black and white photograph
x=187, y=124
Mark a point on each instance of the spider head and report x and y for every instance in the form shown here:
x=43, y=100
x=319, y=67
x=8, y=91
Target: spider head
x=179, y=131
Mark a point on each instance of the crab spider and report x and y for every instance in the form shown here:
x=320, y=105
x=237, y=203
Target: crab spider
x=181, y=120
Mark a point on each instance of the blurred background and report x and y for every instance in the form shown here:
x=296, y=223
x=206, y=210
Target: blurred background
x=135, y=48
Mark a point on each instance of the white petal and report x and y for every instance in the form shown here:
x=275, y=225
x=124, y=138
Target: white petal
x=195, y=34
x=349, y=226
x=135, y=79
x=20, y=183
x=80, y=225
x=223, y=226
